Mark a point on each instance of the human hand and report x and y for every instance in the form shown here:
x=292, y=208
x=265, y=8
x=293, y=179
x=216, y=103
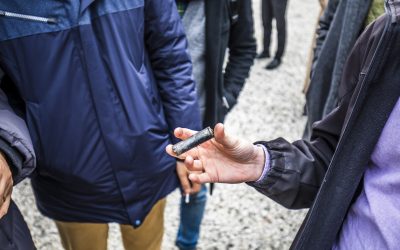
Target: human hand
x=183, y=174
x=6, y=186
x=223, y=159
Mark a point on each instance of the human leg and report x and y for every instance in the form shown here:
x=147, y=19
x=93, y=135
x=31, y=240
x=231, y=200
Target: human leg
x=149, y=235
x=191, y=215
x=83, y=236
x=267, y=15
x=279, y=10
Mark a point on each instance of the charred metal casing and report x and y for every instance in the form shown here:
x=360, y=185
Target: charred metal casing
x=193, y=141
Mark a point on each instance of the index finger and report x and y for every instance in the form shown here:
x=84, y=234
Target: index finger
x=184, y=133
x=193, y=153
x=4, y=207
x=4, y=186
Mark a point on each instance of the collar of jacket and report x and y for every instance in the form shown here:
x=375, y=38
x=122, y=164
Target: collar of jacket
x=393, y=9
x=364, y=123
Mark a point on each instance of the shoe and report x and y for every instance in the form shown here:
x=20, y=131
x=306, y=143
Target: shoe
x=273, y=64
x=263, y=55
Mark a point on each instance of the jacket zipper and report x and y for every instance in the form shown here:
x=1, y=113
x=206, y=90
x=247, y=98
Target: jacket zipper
x=28, y=17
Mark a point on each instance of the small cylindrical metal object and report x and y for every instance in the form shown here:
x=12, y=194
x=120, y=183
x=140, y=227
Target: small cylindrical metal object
x=193, y=141
x=187, y=198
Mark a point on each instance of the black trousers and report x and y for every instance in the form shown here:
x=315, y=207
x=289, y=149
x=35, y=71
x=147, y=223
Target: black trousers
x=274, y=9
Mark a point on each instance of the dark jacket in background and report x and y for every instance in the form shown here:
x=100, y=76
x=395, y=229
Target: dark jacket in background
x=325, y=173
x=339, y=27
x=323, y=4
x=229, y=24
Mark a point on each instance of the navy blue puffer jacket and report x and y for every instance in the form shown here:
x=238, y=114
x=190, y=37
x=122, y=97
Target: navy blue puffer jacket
x=104, y=83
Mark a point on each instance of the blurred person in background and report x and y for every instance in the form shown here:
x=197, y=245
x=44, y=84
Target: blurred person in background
x=212, y=27
x=339, y=27
x=349, y=173
x=273, y=9
x=101, y=85
x=323, y=4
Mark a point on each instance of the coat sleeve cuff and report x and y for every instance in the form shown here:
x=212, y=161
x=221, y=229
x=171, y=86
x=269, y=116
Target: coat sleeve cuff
x=273, y=162
x=14, y=160
x=267, y=164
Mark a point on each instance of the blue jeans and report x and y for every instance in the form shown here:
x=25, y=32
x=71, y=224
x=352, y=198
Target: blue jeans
x=191, y=217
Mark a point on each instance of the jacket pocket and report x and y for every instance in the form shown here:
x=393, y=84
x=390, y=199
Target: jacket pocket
x=29, y=18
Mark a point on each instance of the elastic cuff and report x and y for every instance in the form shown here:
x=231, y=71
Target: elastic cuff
x=266, y=164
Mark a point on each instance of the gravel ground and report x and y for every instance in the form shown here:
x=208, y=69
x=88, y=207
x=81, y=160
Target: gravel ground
x=270, y=106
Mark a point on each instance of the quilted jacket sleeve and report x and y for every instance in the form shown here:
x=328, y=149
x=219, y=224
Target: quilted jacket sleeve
x=167, y=46
x=15, y=141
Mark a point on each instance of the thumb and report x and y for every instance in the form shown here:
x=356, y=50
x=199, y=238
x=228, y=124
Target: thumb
x=222, y=138
x=5, y=206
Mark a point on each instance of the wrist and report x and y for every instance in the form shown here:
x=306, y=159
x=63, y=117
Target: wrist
x=258, y=163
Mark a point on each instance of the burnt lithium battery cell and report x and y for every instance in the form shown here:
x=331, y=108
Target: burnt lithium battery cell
x=193, y=141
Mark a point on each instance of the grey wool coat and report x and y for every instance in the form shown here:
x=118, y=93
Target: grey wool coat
x=339, y=27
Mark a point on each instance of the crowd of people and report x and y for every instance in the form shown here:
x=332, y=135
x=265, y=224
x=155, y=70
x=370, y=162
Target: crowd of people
x=93, y=93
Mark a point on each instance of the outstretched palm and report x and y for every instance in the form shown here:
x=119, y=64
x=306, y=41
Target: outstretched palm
x=223, y=159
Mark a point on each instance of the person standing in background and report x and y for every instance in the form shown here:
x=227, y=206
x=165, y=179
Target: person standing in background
x=212, y=27
x=339, y=27
x=273, y=9
x=349, y=173
x=102, y=84
x=323, y=4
